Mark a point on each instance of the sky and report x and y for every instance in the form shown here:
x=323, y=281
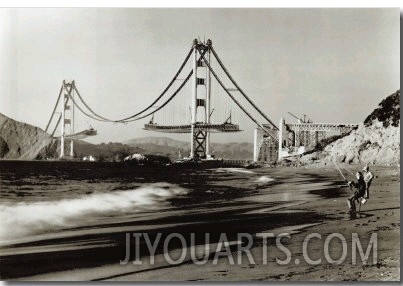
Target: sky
x=335, y=65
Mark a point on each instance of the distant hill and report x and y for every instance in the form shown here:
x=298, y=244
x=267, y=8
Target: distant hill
x=112, y=151
x=171, y=147
x=161, y=141
x=23, y=141
x=102, y=152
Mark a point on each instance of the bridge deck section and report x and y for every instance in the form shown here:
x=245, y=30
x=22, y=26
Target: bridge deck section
x=322, y=127
x=226, y=127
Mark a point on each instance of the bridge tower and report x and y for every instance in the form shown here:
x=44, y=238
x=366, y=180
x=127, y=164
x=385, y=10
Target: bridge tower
x=67, y=117
x=68, y=95
x=200, y=104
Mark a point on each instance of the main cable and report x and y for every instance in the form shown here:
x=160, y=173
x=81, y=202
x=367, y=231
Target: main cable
x=241, y=91
x=173, y=95
x=166, y=89
x=233, y=98
x=54, y=109
x=166, y=102
x=123, y=120
x=85, y=113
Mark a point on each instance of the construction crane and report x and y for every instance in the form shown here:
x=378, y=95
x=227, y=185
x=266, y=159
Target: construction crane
x=305, y=120
x=296, y=117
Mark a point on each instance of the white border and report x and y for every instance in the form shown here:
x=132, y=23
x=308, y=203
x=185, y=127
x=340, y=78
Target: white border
x=205, y=3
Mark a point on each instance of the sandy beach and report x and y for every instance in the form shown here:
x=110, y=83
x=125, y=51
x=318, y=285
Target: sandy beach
x=298, y=201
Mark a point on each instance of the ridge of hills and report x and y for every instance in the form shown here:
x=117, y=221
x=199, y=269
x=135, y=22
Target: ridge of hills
x=23, y=141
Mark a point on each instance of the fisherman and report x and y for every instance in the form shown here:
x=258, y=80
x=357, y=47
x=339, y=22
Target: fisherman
x=368, y=176
x=361, y=187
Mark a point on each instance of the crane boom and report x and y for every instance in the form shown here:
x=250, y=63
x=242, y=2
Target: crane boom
x=296, y=117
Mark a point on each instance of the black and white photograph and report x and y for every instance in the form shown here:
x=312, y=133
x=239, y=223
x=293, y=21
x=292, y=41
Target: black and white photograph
x=199, y=144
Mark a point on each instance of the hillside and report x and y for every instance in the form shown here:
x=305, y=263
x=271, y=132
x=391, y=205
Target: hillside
x=102, y=152
x=23, y=141
x=375, y=141
x=20, y=140
x=171, y=147
x=160, y=146
x=161, y=141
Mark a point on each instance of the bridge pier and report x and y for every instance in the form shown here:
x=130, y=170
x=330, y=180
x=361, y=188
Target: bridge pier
x=255, y=146
x=265, y=148
x=286, y=139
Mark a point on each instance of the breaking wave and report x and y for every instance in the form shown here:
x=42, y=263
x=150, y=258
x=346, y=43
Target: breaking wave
x=29, y=218
x=264, y=179
x=234, y=170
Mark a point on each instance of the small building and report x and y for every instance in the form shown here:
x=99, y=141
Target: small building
x=89, y=158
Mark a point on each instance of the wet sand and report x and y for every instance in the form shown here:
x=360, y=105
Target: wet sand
x=298, y=201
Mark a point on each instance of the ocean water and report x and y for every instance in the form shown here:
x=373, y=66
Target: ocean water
x=43, y=198
x=64, y=216
x=19, y=219
x=47, y=197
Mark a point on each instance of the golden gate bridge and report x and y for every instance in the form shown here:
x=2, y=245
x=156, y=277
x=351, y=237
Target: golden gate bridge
x=204, y=109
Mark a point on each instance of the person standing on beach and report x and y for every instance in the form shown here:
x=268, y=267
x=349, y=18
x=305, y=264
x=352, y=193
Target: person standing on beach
x=368, y=176
x=361, y=186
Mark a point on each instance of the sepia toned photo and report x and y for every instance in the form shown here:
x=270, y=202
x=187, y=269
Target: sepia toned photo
x=200, y=144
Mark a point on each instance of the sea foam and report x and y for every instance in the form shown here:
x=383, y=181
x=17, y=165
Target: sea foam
x=21, y=219
x=264, y=180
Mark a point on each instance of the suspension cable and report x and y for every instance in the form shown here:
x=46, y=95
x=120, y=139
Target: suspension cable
x=166, y=102
x=123, y=120
x=166, y=89
x=233, y=98
x=241, y=91
x=54, y=109
x=64, y=103
x=174, y=94
x=99, y=117
x=85, y=113
x=57, y=124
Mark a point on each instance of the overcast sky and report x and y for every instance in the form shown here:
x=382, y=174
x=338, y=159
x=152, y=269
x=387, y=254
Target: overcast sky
x=335, y=65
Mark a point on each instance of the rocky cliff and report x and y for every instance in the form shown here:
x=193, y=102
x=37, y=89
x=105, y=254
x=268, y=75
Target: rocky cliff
x=375, y=141
x=20, y=140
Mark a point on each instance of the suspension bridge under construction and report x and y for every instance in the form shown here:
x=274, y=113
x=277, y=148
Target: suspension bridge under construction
x=192, y=104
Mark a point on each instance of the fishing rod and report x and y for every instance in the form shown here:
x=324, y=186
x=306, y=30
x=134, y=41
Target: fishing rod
x=352, y=174
x=341, y=173
x=338, y=169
